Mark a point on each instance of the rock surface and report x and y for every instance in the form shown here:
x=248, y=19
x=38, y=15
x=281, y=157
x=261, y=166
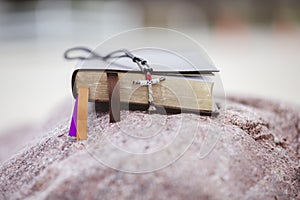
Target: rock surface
x=251, y=151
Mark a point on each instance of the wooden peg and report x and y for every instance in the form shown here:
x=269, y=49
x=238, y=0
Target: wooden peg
x=114, y=96
x=82, y=113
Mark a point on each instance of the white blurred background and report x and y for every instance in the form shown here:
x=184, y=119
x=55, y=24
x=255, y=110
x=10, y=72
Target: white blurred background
x=254, y=43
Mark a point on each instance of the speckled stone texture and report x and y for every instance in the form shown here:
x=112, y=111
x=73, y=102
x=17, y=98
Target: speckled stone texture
x=256, y=156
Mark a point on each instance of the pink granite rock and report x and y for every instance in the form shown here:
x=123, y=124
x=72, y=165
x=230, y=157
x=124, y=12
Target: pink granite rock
x=255, y=156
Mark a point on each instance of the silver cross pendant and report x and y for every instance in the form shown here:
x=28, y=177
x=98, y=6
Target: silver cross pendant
x=149, y=82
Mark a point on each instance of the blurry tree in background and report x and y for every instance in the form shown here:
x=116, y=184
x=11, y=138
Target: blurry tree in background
x=280, y=15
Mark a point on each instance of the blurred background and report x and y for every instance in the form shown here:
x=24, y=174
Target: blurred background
x=254, y=43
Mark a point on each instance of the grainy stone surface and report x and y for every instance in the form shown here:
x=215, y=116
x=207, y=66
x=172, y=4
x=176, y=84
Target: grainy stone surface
x=256, y=156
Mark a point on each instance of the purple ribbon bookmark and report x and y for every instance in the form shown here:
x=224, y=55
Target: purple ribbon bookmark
x=73, y=130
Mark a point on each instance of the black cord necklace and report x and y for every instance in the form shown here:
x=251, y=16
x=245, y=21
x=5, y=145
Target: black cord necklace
x=122, y=53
